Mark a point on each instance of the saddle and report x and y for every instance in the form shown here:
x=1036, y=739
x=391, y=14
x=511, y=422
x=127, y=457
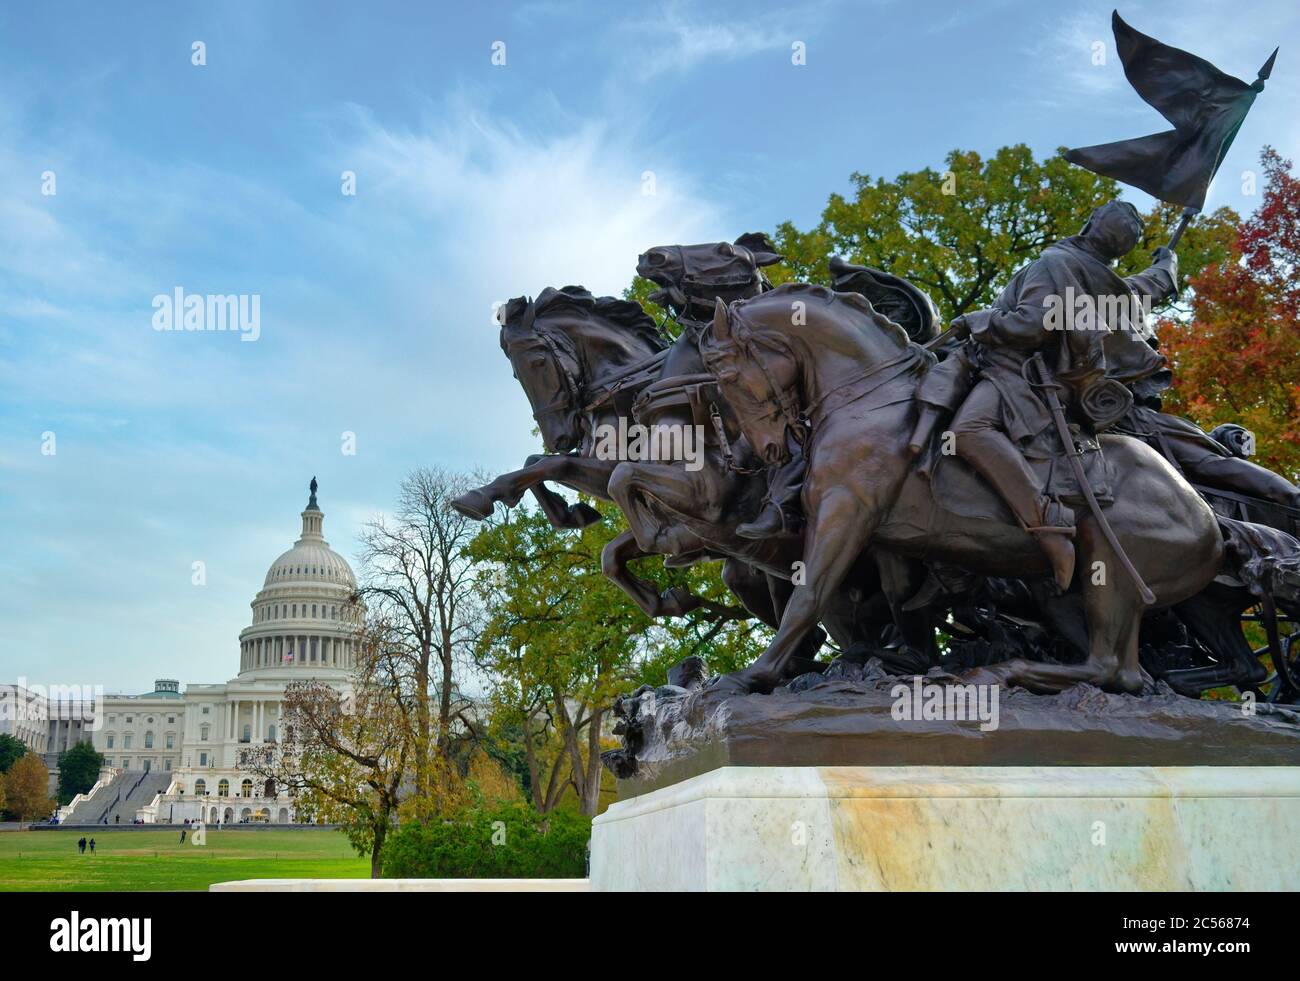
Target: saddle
x=695, y=392
x=959, y=489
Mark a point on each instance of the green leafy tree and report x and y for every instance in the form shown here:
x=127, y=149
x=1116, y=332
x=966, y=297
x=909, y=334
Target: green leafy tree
x=78, y=771
x=561, y=641
x=959, y=233
x=11, y=751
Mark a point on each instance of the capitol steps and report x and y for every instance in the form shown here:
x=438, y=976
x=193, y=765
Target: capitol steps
x=117, y=801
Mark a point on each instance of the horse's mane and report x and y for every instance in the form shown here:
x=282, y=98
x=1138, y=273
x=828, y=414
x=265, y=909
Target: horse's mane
x=627, y=315
x=865, y=315
x=825, y=294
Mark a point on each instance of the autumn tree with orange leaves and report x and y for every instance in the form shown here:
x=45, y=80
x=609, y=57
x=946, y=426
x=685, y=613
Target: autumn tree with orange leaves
x=1237, y=358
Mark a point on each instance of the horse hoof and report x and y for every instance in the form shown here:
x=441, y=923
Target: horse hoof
x=744, y=682
x=731, y=684
x=583, y=515
x=677, y=602
x=473, y=504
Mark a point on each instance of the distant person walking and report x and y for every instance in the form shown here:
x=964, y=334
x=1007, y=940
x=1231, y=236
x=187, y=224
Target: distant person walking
x=182, y=836
x=92, y=846
x=81, y=847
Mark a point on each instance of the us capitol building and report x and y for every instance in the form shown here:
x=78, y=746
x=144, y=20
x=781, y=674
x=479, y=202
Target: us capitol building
x=175, y=756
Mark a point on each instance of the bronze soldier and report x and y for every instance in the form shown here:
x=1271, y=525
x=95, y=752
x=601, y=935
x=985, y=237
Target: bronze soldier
x=997, y=412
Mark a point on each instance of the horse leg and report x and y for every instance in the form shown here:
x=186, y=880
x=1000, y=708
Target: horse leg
x=829, y=557
x=614, y=559
x=1114, y=615
x=753, y=590
x=900, y=579
x=583, y=473
x=560, y=512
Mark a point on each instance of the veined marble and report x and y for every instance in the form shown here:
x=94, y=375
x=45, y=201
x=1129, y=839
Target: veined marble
x=865, y=828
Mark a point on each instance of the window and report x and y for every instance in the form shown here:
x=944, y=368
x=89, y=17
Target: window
x=111, y=737
x=248, y=733
x=200, y=788
x=171, y=741
x=313, y=611
x=206, y=709
x=167, y=764
x=126, y=741
x=203, y=759
x=108, y=761
x=129, y=719
x=112, y=718
x=171, y=720
x=203, y=733
x=270, y=733
x=246, y=788
x=148, y=740
x=223, y=788
x=149, y=720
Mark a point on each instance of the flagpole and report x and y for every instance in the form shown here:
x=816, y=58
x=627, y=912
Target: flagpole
x=1188, y=214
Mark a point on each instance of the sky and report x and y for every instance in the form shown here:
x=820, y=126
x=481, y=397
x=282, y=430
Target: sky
x=128, y=171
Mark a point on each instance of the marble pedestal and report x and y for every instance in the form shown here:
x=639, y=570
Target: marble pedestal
x=957, y=828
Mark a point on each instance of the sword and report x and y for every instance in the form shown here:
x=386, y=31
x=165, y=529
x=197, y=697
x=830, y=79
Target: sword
x=1048, y=389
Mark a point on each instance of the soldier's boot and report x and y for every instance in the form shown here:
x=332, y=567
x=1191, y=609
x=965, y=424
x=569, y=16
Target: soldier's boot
x=996, y=459
x=770, y=521
x=781, y=505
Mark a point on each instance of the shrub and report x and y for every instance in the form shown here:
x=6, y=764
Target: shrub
x=510, y=841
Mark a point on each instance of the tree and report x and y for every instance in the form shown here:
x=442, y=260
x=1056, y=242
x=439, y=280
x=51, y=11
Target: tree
x=960, y=233
x=1234, y=359
x=343, y=755
x=78, y=771
x=11, y=751
x=27, y=788
x=561, y=641
x=415, y=573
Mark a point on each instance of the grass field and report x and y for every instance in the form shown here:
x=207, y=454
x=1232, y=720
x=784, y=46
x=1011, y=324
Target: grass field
x=47, y=861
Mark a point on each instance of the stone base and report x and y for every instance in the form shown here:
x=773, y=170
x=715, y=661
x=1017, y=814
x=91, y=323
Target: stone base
x=401, y=885
x=879, y=828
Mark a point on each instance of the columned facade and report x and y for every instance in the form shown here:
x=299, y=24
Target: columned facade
x=305, y=622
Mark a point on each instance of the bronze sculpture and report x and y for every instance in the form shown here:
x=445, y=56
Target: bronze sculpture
x=1013, y=477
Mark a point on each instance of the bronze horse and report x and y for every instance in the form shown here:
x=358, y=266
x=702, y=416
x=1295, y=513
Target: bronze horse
x=582, y=361
x=843, y=377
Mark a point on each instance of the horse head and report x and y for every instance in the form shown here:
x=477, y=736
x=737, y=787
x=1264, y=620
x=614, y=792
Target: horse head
x=557, y=345
x=757, y=375
x=698, y=274
x=777, y=357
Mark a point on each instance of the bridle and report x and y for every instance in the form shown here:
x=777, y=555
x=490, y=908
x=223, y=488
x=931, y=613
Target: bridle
x=801, y=421
x=584, y=399
x=783, y=402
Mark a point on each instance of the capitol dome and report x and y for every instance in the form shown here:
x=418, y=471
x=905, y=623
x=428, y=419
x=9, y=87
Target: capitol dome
x=306, y=617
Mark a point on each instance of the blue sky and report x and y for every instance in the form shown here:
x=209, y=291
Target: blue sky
x=474, y=183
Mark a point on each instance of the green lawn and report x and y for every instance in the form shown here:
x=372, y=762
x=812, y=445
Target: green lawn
x=47, y=861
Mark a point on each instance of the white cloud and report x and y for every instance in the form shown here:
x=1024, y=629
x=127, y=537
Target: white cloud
x=676, y=39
